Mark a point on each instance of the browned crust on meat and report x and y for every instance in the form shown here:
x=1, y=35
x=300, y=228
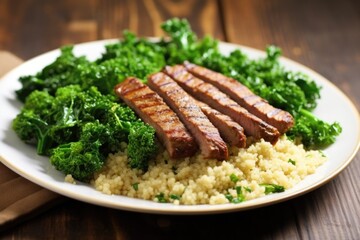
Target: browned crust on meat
x=229, y=130
x=256, y=105
x=211, y=95
x=206, y=135
x=153, y=110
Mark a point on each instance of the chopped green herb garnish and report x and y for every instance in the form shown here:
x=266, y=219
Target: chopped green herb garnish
x=272, y=188
x=229, y=197
x=161, y=198
x=239, y=198
x=136, y=186
x=175, y=196
x=248, y=189
x=238, y=190
x=234, y=178
x=292, y=161
x=234, y=199
x=240, y=195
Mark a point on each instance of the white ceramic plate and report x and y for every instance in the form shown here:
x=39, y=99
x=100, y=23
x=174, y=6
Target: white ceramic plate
x=22, y=158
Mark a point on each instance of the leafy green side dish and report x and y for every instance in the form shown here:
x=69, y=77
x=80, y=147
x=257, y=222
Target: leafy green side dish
x=71, y=113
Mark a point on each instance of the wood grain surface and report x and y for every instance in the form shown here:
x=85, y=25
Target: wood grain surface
x=323, y=35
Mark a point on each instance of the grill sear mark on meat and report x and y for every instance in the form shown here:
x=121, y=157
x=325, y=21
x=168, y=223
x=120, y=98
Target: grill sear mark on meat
x=206, y=135
x=153, y=110
x=211, y=95
x=230, y=130
x=256, y=105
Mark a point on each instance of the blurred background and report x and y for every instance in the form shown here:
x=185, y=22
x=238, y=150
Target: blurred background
x=321, y=34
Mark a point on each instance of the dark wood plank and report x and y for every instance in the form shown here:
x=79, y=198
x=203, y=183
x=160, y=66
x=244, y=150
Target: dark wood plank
x=31, y=27
x=36, y=26
x=144, y=17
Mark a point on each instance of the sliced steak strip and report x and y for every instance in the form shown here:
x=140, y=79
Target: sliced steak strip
x=153, y=110
x=211, y=95
x=230, y=130
x=256, y=105
x=206, y=135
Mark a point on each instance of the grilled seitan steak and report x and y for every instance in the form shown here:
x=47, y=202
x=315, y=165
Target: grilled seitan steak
x=256, y=105
x=211, y=95
x=206, y=135
x=153, y=110
x=230, y=130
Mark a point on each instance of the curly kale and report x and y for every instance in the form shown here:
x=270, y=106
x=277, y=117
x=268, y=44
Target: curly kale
x=62, y=72
x=142, y=145
x=130, y=57
x=184, y=44
x=31, y=128
x=312, y=132
x=78, y=128
x=33, y=124
x=80, y=159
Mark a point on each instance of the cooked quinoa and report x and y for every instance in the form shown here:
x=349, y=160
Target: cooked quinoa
x=69, y=178
x=207, y=181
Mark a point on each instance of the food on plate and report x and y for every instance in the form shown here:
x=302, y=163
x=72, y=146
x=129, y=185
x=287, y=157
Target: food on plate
x=153, y=110
x=72, y=115
x=249, y=173
x=256, y=105
x=211, y=95
x=206, y=135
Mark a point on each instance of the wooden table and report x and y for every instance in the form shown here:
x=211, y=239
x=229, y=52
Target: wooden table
x=323, y=35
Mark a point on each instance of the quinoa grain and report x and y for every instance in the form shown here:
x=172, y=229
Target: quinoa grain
x=206, y=181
